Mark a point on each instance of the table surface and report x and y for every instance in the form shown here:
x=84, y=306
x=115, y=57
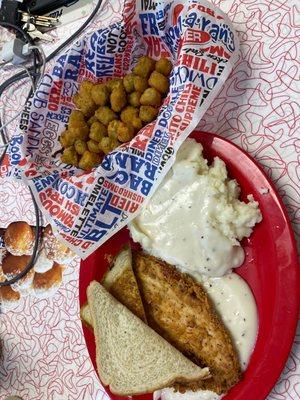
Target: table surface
x=44, y=353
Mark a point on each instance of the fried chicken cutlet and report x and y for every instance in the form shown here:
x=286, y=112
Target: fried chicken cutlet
x=178, y=308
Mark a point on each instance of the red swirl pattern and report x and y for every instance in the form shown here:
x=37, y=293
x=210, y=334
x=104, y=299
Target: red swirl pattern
x=44, y=353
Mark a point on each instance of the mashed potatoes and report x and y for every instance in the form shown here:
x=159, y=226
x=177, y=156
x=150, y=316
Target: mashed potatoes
x=195, y=219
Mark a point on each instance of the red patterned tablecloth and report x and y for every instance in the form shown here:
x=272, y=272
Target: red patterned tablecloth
x=44, y=353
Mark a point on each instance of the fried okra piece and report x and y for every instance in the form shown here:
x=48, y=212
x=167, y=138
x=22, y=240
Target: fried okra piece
x=97, y=131
x=80, y=146
x=89, y=160
x=128, y=82
x=70, y=156
x=76, y=119
x=112, y=128
x=91, y=120
x=114, y=83
x=140, y=84
x=118, y=99
x=151, y=97
x=85, y=87
x=125, y=132
x=128, y=114
x=144, y=67
x=137, y=123
x=100, y=94
x=163, y=66
x=85, y=103
x=159, y=82
x=66, y=139
x=79, y=132
x=105, y=115
x=108, y=144
x=93, y=146
x=148, y=113
x=134, y=99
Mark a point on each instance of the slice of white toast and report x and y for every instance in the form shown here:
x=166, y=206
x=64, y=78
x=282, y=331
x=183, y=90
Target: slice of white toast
x=131, y=357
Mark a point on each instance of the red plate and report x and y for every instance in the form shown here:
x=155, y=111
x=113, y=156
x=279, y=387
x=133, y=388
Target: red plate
x=270, y=268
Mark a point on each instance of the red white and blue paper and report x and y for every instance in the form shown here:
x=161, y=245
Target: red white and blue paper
x=87, y=208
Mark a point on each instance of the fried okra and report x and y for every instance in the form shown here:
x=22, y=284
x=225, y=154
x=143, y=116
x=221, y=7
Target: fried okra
x=140, y=84
x=128, y=82
x=159, y=82
x=85, y=103
x=148, y=113
x=100, y=94
x=97, y=131
x=66, y=139
x=105, y=115
x=85, y=87
x=134, y=99
x=109, y=114
x=144, y=67
x=163, y=66
x=70, y=156
x=118, y=99
x=93, y=146
x=114, y=83
x=89, y=160
x=76, y=119
x=108, y=144
x=80, y=146
x=151, y=97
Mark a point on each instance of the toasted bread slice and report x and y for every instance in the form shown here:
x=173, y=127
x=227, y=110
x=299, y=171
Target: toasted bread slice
x=121, y=283
x=85, y=315
x=178, y=308
x=132, y=358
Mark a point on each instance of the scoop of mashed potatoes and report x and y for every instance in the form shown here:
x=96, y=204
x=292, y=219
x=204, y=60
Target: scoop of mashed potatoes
x=195, y=219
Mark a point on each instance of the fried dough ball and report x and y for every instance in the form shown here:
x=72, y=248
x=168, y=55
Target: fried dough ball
x=93, y=146
x=159, y=82
x=42, y=263
x=151, y=97
x=105, y=115
x=76, y=119
x=47, y=283
x=163, y=66
x=8, y=296
x=85, y=103
x=140, y=83
x=69, y=156
x=118, y=99
x=128, y=114
x=55, y=249
x=128, y=82
x=14, y=265
x=134, y=99
x=112, y=128
x=125, y=132
x=19, y=238
x=80, y=146
x=144, y=67
x=114, y=83
x=100, y=94
x=86, y=87
x=98, y=131
x=91, y=120
x=148, y=113
x=108, y=144
x=89, y=160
